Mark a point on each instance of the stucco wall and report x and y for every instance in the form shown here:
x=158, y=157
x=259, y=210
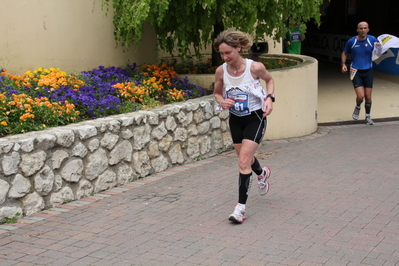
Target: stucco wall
x=295, y=109
x=73, y=35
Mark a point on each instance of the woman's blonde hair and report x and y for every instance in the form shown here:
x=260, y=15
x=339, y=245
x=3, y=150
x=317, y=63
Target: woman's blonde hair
x=232, y=38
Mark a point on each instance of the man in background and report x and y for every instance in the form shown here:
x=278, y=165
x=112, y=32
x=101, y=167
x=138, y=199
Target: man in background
x=293, y=40
x=361, y=49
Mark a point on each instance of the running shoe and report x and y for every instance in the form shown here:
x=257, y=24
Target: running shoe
x=238, y=215
x=369, y=121
x=263, y=184
x=355, y=114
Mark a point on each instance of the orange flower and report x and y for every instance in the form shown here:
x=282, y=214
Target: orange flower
x=26, y=116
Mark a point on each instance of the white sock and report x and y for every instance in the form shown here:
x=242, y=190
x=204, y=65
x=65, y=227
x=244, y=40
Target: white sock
x=241, y=206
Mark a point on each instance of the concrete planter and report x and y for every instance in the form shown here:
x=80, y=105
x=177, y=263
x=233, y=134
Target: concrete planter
x=295, y=109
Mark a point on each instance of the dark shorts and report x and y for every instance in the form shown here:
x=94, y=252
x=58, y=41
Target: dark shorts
x=252, y=127
x=363, y=78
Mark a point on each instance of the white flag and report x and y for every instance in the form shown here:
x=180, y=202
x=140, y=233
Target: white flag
x=387, y=41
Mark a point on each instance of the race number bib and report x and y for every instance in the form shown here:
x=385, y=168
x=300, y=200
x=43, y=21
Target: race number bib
x=240, y=107
x=353, y=72
x=295, y=37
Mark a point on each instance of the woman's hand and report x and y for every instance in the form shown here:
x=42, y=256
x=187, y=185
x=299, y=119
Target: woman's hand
x=268, y=107
x=227, y=103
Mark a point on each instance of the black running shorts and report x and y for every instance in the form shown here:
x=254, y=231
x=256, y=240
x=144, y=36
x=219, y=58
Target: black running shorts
x=252, y=127
x=363, y=78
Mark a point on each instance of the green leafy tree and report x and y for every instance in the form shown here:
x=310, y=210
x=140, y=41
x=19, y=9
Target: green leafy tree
x=180, y=24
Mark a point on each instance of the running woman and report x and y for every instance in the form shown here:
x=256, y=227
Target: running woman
x=237, y=88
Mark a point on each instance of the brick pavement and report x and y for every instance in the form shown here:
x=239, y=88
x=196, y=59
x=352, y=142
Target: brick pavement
x=334, y=200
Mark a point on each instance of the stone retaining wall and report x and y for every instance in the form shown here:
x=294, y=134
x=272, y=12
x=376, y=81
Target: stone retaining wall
x=43, y=169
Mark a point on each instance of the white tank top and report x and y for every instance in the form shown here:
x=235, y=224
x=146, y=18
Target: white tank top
x=246, y=91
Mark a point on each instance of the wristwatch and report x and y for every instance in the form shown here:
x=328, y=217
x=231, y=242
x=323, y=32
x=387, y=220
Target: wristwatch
x=271, y=97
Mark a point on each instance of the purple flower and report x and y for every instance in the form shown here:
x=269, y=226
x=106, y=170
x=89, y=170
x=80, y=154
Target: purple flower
x=190, y=90
x=98, y=97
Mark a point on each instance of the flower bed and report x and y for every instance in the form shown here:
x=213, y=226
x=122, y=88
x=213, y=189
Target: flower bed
x=50, y=97
x=46, y=98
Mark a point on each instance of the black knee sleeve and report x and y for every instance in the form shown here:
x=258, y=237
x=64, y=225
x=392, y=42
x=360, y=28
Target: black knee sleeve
x=256, y=167
x=368, y=108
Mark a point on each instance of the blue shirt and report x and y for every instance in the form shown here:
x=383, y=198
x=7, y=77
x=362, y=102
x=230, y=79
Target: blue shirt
x=361, y=51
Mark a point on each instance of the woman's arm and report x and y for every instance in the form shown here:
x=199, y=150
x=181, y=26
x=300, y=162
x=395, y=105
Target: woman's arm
x=218, y=85
x=218, y=90
x=259, y=71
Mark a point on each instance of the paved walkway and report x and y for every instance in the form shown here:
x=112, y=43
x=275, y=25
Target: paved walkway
x=334, y=200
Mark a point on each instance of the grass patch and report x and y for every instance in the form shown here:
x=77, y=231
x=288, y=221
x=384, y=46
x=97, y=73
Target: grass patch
x=13, y=220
